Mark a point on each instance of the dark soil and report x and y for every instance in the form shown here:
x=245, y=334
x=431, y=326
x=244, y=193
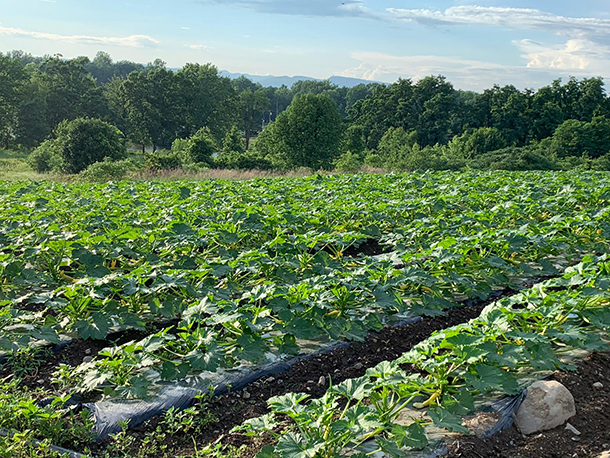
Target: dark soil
x=592, y=420
x=40, y=370
x=233, y=409
x=369, y=247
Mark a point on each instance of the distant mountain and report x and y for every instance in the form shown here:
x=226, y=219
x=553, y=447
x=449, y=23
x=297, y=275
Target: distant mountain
x=277, y=81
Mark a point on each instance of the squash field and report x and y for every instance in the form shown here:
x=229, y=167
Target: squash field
x=111, y=291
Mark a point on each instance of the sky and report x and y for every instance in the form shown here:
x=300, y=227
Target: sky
x=474, y=43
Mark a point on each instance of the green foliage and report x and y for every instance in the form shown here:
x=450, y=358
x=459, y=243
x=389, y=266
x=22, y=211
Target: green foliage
x=47, y=157
x=118, y=277
x=108, y=170
x=308, y=134
x=476, y=142
x=201, y=147
x=166, y=160
x=395, y=146
x=77, y=145
x=514, y=158
x=348, y=162
x=154, y=106
x=248, y=160
x=354, y=140
x=233, y=141
x=523, y=334
x=56, y=423
x=579, y=138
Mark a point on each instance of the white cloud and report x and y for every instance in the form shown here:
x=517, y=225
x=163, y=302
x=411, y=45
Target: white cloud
x=577, y=55
x=132, y=41
x=585, y=53
x=198, y=47
x=512, y=18
x=185, y=28
x=463, y=73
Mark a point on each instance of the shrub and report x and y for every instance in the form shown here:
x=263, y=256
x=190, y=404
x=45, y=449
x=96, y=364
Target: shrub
x=514, y=158
x=107, y=170
x=250, y=160
x=85, y=141
x=47, y=157
x=601, y=163
x=348, y=162
x=580, y=138
x=200, y=148
x=477, y=142
x=233, y=142
x=373, y=160
x=163, y=160
x=395, y=145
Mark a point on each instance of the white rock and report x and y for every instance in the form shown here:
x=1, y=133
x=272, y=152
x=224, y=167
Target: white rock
x=598, y=386
x=548, y=404
x=245, y=395
x=572, y=429
x=322, y=380
x=87, y=359
x=605, y=455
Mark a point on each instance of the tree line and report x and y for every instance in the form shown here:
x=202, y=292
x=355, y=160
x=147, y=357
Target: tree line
x=196, y=117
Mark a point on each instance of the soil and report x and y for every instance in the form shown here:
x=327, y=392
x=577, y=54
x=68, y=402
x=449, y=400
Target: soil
x=592, y=420
x=45, y=363
x=232, y=409
x=369, y=247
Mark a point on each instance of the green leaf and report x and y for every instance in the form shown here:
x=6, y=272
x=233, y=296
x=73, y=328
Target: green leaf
x=511, y=356
x=255, y=425
x=292, y=445
x=287, y=403
x=268, y=451
x=204, y=307
x=445, y=419
x=47, y=334
x=94, y=379
x=172, y=370
x=208, y=360
x=95, y=327
x=390, y=447
x=357, y=388
x=461, y=403
x=413, y=436
x=484, y=377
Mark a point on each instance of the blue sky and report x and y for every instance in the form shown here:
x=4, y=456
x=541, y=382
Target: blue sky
x=474, y=43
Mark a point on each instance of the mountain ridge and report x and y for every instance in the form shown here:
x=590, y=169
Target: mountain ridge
x=278, y=81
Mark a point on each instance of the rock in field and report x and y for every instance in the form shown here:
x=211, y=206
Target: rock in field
x=547, y=404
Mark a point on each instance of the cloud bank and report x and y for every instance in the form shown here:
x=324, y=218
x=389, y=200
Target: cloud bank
x=132, y=41
x=586, y=51
x=347, y=8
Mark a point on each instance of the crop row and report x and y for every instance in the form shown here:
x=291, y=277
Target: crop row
x=214, y=274
x=524, y=335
